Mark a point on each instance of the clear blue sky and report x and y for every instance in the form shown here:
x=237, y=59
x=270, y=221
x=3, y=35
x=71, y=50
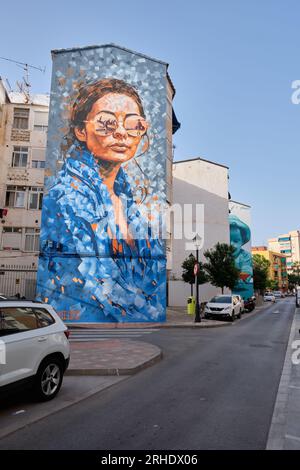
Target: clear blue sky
x=232, y=63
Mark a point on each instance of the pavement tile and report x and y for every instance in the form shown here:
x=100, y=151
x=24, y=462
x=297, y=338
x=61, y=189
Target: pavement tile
x=117, y=357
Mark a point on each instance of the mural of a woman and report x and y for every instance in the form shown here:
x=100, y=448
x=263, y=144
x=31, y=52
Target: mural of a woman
x=240, y=235
x=98, y=254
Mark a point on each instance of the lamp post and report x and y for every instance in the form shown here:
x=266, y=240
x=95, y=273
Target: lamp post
x=197, y=242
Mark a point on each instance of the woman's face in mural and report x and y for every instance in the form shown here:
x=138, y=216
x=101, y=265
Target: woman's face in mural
x=236, y=241
x=113, y=128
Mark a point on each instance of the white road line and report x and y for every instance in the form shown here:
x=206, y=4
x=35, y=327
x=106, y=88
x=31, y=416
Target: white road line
x=294, y=438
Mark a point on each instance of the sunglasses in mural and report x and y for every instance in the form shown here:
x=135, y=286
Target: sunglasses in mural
x=107, y=123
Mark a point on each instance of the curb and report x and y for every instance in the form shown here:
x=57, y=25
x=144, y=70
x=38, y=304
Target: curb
x=276, y=436
x=143, y=326
x=105, y=371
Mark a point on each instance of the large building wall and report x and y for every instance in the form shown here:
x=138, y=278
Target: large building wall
x=288, y=244
x=197, y=182
x=21, y=225
x=87, y=271
x=240, y=239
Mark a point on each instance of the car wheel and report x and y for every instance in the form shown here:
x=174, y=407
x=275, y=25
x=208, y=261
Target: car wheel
x=240, y=314
x=48, y=379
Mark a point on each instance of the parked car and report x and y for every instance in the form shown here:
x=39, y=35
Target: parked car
x=249, y=304
x=34, y=342
x=242, y=302
x=297, y=296
x=228, y=306
x=277, y=294
x=269, y=297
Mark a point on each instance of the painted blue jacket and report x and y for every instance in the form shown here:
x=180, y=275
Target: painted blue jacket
x=84, y=271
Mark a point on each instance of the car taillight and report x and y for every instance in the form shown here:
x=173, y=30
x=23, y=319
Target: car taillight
x=67, y=333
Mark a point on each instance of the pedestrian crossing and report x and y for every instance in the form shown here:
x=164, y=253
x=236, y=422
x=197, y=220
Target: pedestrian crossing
x=93, y=334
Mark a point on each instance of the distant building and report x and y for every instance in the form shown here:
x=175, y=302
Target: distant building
x=278, y=265
x=23, y=133
x=289, y=245
x=197, y=181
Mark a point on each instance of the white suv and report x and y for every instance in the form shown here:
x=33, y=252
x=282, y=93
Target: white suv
x=34, y=348
x=224, y=306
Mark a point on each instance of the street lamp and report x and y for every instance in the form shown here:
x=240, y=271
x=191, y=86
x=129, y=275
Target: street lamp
x=197, y=242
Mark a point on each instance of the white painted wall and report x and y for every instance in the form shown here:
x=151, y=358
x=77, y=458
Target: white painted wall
x=202, y=182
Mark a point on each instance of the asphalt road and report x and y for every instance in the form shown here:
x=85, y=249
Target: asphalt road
x=214, y=389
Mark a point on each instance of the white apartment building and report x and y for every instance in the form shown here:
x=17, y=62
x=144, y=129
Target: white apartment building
x=23, y=134
x=197, y=181
x=288, y=244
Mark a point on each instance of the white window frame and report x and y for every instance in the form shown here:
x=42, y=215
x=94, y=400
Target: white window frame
x=31, y=238
x=21, y=118
x=34, y=190
x=16, y=190
x=20, y=152
x=11, y=230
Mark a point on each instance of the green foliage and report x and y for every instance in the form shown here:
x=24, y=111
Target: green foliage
x=272, y=284
x=188, y=271
x=293, y=280
x=260, y=272
x=220, y=266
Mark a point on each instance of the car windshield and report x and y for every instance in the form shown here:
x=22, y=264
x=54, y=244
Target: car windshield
x=221, y=300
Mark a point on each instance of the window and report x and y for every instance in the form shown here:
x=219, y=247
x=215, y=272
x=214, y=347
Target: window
x=37, y=164
x=21, y=118
x=15, y=196
x=44, y=317
x=35, y=198
x=38, y=157
x=19, y=157
x=11, y=238
x=40, y=121
x=32, y=237
x=17, y=319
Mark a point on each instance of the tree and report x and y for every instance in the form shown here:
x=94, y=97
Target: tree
x=293, y=281
x=260, y=272
x=272, y=284
x=220, y=266
x=296, y=272
x=188, y=272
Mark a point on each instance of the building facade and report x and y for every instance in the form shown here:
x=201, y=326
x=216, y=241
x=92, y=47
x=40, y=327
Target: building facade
x=289, y=245
x=108, y=179
x=278, y=271
x=200, y=207
x=23, y=134
x=240, y=239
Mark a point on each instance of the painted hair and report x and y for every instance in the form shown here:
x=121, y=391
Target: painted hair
x=89, y=94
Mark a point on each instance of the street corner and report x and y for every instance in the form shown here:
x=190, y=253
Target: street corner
x=112, y=357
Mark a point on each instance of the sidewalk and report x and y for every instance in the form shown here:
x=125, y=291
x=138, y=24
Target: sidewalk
x=285, y=427
x=112, y=357
x=177, y=317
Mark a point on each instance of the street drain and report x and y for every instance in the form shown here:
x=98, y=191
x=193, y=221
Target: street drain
x=260, y=346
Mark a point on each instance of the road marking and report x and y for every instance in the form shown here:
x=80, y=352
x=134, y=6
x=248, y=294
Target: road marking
x=294, y=386
x=103, y=334
x=294, y=438
x=18, y=412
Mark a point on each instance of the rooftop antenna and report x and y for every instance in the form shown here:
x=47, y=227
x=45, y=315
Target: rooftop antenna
x=8, y=84
x=24, y=87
